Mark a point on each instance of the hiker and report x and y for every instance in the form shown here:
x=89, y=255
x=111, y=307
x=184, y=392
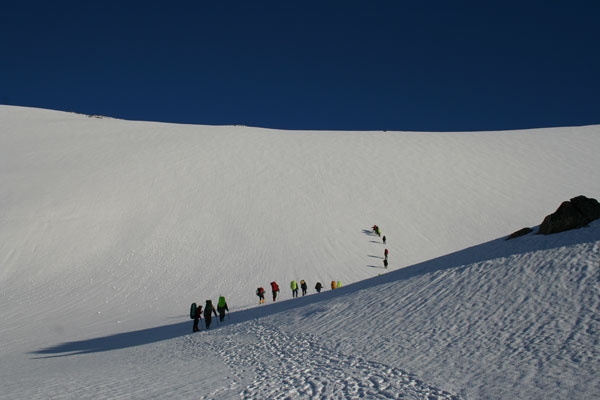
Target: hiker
x=303, y=286
x=333, y=285
x=383, y=239
x=275, y=290
x=318, y=287
x=339, y=284
x=294, y=287
x=385, y=263
x=378, y=232
x=260, y=292
x=385, y=253
x=222, y=307
x=197, y=318
x=375, y=229
x=208, y=310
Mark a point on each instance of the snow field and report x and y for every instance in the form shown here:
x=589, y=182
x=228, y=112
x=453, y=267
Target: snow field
x=109, y=229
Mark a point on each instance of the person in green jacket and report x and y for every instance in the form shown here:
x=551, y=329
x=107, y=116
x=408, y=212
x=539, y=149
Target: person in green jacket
x=222, y=307
x=294, y=287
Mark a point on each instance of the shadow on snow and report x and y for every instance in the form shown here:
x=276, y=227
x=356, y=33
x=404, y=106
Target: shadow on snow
x=487, y=251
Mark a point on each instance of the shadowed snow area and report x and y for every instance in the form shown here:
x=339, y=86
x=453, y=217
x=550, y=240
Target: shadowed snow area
x=109, y=229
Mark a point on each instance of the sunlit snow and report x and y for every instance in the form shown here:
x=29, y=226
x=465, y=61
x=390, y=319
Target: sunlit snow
x=109, y=229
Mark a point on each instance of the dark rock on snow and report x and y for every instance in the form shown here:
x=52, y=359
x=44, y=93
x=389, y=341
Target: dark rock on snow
x=519, y=233
x=573, y=214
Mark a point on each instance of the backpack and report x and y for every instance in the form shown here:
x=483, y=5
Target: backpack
x=275, y=286
x=221, y=303
x=193, y=311
x=260, y=291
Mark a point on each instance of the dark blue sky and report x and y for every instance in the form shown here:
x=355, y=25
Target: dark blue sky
x=345, y=65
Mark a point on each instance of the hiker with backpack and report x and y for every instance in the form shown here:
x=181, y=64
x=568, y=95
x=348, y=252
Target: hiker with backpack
x=260, y=292
x=384, y=239
x=294, y=287
x=196, y=315
x=304, y=287
x=385, y=263
x=385, y=253
x=222, y=307
x=318, y=287
x=275, y=290
x=376, y=230
x=208, y=310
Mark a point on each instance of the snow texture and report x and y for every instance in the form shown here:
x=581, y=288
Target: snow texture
x=110, y=229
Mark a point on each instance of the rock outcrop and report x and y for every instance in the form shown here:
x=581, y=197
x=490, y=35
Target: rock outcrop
x=573, y=214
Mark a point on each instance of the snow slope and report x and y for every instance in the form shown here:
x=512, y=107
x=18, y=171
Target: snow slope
x=109, y=229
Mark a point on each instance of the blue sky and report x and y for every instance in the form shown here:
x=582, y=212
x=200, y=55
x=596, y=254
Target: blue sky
x=343, y=65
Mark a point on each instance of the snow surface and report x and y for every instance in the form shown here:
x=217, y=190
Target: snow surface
x=109, y=229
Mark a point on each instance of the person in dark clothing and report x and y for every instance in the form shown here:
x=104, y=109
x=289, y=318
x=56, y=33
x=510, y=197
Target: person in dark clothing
x=385, y=263
x=208, y=310
x=318, y=287
x=260, y=292
x=303, y=286
x=383, y=238
x=197, y=318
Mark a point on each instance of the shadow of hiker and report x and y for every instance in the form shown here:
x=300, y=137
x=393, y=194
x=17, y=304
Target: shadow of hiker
x=497, y=248
x=372, y=256
x=116, y=341
x=166, y=332
x=368, y=232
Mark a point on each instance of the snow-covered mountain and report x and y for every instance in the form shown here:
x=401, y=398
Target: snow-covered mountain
x=109, y=229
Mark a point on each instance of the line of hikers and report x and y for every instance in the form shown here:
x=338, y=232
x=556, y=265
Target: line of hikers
x=377, y=231
x=196, y=312
x=260, y=291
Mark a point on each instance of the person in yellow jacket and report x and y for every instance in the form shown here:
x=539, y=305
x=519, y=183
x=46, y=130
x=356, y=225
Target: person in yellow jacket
x=222, y=307
x=294, y=287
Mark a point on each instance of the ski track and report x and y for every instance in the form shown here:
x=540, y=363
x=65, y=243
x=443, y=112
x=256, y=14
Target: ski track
x=297, y=366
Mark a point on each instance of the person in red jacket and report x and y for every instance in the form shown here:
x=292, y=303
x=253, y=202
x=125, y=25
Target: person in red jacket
x=275, y=289
x=385, y=253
